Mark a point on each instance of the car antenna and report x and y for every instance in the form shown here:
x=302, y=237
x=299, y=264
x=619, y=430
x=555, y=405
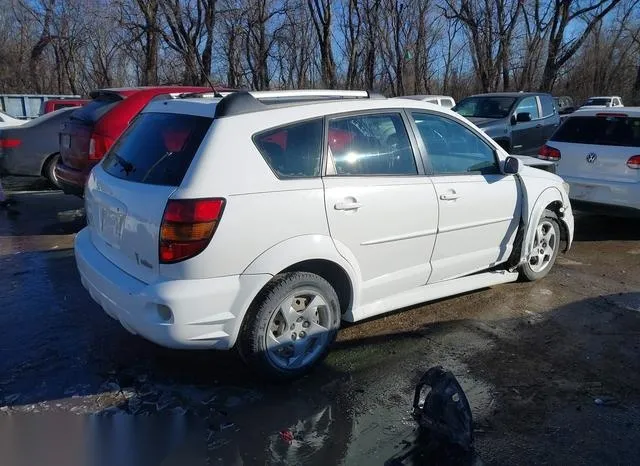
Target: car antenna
x=206, y=76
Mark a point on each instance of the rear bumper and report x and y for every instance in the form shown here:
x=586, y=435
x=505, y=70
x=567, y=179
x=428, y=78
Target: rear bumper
x=585, y=192
x=202, y=313
x=71, y=181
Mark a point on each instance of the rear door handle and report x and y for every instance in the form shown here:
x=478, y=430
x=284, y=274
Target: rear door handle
x=351, y=205
x=449, y=196
x=538, y=126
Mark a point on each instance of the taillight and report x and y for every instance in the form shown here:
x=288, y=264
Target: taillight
x=98, y=146
x=549, y=153
x=634, y=162
x=187, y=227
x=7, y=143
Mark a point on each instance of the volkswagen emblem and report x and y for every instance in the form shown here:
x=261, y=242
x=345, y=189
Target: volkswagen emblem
x=591, y=157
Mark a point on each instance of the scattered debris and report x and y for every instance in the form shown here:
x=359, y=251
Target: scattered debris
x=444, y=412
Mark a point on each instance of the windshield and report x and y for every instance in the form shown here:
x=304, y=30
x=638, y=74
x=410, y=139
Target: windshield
x=598, y=102
x=485, y=107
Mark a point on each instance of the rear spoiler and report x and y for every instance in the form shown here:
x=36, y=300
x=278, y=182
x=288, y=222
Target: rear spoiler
x=545, y=165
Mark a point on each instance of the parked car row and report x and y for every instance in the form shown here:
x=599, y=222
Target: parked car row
x=188, y=174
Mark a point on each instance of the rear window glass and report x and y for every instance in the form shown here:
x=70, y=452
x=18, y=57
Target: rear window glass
x=293, y=151
x=606, y=131
x=95, y=109
x=157, y=148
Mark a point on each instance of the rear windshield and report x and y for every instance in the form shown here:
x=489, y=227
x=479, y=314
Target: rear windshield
x=157, y=148
x=598, y=102
x=600, y=130
x=95, y=109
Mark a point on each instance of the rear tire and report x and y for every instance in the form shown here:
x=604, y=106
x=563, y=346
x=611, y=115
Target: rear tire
x=50, y=170
x=544, y=248
x=290, y=326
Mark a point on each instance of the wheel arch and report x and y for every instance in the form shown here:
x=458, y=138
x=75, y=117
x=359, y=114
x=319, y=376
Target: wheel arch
x=316, y=254
x=46, y=161
x=549, y=199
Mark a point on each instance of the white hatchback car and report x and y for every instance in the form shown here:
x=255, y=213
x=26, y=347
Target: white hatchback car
x=261, y=220
x=597, y=152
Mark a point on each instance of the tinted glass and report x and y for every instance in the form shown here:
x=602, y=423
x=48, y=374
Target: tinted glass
x=157, y=148
x=452, y=148
x=293, y=151
x=95, y=109
x=603, y=102
x=548, y=107
x=607, y=131
x=528, y=105
x=447, y=103
x=485, y=107
x=375, y=144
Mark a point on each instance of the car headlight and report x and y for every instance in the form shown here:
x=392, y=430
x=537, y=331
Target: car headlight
x=566, y=186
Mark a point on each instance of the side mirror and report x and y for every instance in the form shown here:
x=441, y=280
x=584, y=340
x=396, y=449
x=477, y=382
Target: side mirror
x=513, y=120
x=511, y=166
x=523, y=117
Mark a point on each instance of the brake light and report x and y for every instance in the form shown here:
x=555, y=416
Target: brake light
x=634, y=162
x=7, y=143
x=549, y=153
x=611, y=115
x=98, y=146
x=187, y=227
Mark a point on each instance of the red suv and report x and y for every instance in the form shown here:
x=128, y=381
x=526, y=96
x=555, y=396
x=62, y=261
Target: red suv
x=91, y=130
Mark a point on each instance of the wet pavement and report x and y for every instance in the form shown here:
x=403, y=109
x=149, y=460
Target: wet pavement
x=551, y=369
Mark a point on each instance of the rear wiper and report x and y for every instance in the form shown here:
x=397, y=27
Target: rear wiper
x=127, y=167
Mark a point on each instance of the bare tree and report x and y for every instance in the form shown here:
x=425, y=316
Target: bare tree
x=189, y=31
x=320, y=11
x=563, y=14
x=488, y=23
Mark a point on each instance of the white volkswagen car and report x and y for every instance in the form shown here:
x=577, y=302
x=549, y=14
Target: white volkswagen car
x=260, y=221
x=597, y=152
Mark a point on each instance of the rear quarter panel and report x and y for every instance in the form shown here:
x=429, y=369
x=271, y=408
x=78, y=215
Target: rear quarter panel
x=261, y=210
x=39, y=142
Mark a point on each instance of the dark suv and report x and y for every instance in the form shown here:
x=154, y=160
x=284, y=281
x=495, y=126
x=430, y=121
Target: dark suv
x=521, y=122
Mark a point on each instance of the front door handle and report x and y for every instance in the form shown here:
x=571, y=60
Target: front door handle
x=538, y=126
x=451, y=196
x=348, y=205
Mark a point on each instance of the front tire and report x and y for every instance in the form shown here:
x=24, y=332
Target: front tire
x=544, y=248
x=290, y=326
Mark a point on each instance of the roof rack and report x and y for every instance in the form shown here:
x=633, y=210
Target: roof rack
x=237, y=103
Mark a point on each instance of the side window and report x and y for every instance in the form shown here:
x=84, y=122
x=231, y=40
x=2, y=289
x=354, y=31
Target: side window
x=375, y=144
x=447, y=103
x=529, y=105
x=453, y=148
x=293, y=151
x=432, y=101
x=548, y=108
